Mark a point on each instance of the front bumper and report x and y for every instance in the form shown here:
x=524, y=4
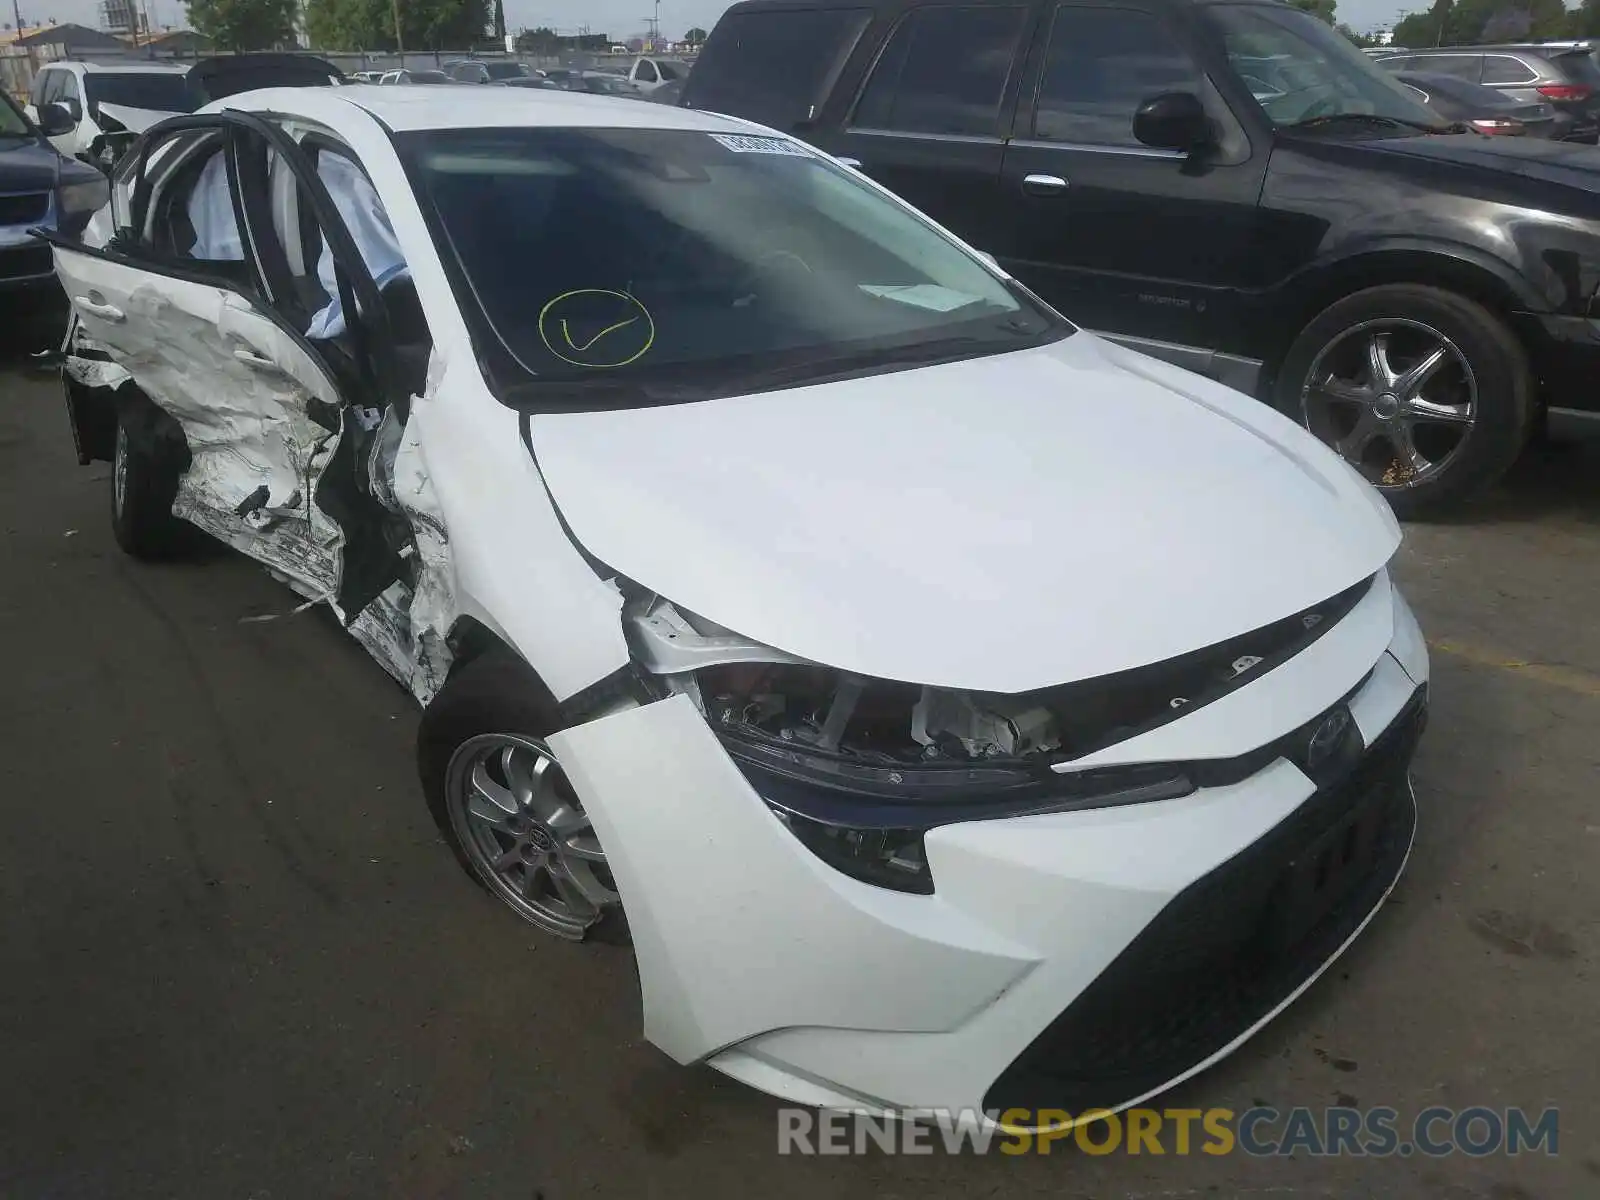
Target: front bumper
x=1071, y=960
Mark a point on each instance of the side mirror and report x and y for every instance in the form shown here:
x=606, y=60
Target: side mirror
x=55, y=120
x=1173, y=121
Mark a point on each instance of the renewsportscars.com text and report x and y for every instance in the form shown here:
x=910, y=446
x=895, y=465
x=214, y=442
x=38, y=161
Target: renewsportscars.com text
x=1260, y=1132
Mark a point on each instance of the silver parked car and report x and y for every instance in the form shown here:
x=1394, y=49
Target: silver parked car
x=1564, y=75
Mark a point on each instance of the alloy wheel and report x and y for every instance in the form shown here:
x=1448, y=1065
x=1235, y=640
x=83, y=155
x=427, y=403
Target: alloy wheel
x=526, y=835
x=1395, y=398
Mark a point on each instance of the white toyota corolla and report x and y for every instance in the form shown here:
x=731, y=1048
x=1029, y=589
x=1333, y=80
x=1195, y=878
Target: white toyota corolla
x=966, y=712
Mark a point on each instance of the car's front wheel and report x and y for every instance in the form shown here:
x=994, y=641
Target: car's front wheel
x=1424, y=392
x=504, y=805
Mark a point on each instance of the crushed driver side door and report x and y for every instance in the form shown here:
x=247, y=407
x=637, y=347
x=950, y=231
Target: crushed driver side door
x=193, y=299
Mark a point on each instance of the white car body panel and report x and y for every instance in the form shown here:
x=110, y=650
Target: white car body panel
x=756, y=513
x=825, y=966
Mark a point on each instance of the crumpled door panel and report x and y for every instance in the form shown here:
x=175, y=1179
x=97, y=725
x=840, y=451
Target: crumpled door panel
x=257, y=410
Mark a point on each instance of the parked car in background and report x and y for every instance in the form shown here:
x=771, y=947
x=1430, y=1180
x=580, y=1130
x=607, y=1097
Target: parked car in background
x=419, y=77
x=1564, y=75
x=365, y=76
x=1231, y=186
x=108, y=103
x=1479, y=108
x=648, y=73
x=39, y=188
x=1042, y=785
x=667, y=93
x=599, y=83
x=475, y=71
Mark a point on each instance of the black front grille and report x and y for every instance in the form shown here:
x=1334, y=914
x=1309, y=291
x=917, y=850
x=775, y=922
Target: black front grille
x=23, y=208
x=1227, y=949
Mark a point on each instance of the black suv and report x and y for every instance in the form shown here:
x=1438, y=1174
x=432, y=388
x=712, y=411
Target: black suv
x=1227, y=184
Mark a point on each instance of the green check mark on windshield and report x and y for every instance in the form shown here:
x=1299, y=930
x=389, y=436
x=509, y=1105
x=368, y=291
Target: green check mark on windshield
x=567, y=333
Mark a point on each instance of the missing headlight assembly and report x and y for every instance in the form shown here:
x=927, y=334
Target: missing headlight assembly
x=860, y=768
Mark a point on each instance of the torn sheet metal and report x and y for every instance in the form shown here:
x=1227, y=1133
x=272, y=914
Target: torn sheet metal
x=94, y=372
x=433, y=605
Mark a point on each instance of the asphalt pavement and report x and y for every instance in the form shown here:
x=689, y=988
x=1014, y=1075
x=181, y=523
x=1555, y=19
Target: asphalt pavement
x=236, y=962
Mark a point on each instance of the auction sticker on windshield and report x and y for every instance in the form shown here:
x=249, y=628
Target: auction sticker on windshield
x=744, y=144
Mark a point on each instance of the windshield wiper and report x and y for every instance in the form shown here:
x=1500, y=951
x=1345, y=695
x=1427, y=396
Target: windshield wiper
x=1367, y=119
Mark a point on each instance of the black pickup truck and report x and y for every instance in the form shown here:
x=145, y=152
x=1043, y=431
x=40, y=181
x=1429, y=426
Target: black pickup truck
x=1227, y=184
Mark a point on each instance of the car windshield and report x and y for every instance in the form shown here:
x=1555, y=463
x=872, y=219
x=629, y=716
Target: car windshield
x=1304, y=73
x=162, y=93
x=658, y=265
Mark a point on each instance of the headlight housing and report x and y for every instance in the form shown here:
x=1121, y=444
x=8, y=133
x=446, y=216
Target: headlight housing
x=862, y=799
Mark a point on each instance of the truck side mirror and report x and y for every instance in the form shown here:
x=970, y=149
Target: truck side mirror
x=1173, y=121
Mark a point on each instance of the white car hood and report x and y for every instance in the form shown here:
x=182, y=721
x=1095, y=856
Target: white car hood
x=135, y=120
x=998, y=524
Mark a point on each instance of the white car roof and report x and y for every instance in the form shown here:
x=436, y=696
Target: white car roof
x=405, y=107
x=131, y=68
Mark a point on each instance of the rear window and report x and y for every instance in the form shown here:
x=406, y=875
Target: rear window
x=163, y=93
x=505, y=70
x=1580, y=67
x=772, y=66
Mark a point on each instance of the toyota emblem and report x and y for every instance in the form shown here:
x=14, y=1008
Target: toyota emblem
x=1327, y=738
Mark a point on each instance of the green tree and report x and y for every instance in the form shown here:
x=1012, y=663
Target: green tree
x=1318, y=8
x=695, y=36
x=1360, y=39
x=542, y=40
x=369, y=24
x=1415, y=30
x=1471, y=22
x=245, y=24
x=1585, y=22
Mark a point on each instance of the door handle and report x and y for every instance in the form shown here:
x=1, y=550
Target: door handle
x=259, y=362
x=853, y=163
x=1043, y=185
x=96, y=309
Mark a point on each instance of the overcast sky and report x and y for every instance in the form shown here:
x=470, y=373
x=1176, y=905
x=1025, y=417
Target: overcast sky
x=619, y=18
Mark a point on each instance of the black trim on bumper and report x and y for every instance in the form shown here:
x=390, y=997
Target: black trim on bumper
x=1231, y=946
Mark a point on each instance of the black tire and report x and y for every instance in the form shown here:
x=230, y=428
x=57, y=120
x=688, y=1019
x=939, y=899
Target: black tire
x=141, y=507
x=1504, y=410
x=494, y=693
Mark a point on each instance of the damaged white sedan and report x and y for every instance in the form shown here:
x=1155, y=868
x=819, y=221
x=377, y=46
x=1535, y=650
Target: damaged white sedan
x=963, y=711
